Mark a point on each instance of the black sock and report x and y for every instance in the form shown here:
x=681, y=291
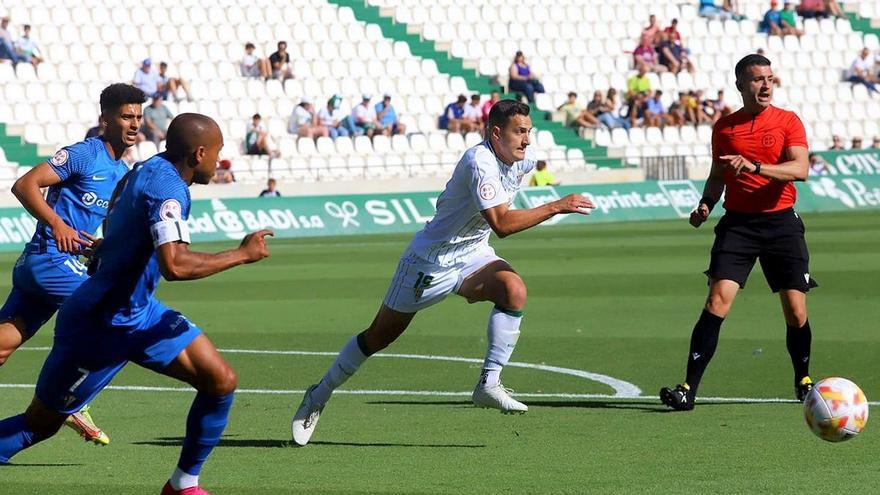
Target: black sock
x=798, y=342
x=704, y=340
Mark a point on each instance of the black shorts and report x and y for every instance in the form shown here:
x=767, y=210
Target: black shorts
x=776, y=238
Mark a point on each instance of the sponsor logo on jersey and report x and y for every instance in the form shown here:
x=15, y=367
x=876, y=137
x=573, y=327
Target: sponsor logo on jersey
x=170, y=210
x=90, y=198
x=60, y=158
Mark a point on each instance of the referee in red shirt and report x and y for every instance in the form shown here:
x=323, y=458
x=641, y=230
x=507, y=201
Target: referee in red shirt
x=757, y=152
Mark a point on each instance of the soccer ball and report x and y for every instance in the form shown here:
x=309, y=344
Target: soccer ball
x=836, y=409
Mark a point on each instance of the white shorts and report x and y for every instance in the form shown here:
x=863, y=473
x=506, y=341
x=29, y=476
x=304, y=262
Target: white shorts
x=418, y=284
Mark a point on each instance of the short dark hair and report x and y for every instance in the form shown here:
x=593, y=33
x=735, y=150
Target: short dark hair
x=461, y=99
x=27, y=26
x=257, y=116
x=248, y=45
x=750, y=61
x=282, y=43
x=163, y=64
x=504, y=110
x=572, y=93
x=120, y=94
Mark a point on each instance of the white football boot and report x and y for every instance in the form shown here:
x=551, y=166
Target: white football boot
x=497, y=397
x=306, y=418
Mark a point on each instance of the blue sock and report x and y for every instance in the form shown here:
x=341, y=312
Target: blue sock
x=204, y=425
x=15, y=436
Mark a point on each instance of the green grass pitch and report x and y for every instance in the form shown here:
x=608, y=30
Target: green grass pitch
x=617, y=300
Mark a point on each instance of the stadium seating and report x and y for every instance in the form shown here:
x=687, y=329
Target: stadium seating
x=576, y=45
x=582, y=46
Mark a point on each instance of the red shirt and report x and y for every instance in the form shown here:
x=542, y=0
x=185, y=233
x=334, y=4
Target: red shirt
x=763, y=138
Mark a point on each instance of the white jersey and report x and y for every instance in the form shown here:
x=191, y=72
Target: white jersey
x=480, y=181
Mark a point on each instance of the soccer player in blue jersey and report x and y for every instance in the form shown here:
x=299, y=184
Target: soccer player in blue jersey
x=114, y=316
x=81, y=178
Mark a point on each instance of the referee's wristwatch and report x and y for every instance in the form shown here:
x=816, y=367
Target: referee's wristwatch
x=757, y=165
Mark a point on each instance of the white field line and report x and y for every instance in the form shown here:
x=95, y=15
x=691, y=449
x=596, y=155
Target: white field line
x=623, y=390
x=431, y=393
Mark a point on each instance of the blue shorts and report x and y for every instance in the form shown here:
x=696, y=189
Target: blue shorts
x=40, y=284
x=82, y=362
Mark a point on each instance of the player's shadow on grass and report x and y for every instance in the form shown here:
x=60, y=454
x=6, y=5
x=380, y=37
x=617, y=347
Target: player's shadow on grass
x=647, y=406
x=224, y=442
x=268, y=443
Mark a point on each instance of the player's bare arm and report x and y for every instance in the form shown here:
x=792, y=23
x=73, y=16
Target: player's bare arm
x=27, y=189
x=795, y=169
x=505, y=221
x=177, y=262
x=712, y=192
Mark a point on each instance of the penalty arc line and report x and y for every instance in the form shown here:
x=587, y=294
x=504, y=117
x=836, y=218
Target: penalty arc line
x=621, y=388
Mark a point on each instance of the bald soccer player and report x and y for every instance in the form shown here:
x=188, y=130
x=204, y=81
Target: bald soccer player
x=114, y=316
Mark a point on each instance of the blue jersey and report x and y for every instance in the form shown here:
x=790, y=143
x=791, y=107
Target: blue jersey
x=88, y=176
x=121, y=293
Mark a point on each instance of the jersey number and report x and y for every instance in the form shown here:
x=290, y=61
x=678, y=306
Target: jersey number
x=85, y=374
x=76, y=267
x=423, y=281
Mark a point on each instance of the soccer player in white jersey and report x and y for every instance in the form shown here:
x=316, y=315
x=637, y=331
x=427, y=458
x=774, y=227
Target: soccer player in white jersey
x=451, y=254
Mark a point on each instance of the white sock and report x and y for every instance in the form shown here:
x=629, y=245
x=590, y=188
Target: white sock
x=502, y=334
x=181, y=480
x=348, y=361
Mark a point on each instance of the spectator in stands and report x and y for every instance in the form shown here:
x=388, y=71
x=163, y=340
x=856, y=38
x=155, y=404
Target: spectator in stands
x=862, y=71
x=146, y=79
x=473, y=115
x=836, y=143
x=679, y=52
x=7, y=51
x=673, y=33
x=256, y=138
x=169, y=85
x=638, y=83
x=856, y=143
x=712, y=11
x=610, y=114
x=543, y=177
x=821, y=9
x=572, y=111
x=494, y=98
x=717, y=108
x=304, y=121
x=156, y=120
x=788, y=19
x=679, y=110
x=389, y=123
x=637, y=108
x=280, y=63
x=655, y=113
x=650, y=32
x=254, y=66
x=772, y=23
x=668, y=54
x=645, y=55
x=818, y=165
x=453, y=117
x=224, y=174
x=332, y=117
x=364, y=116
x=699, y=103
x=270, y=191
x=27, y=48
x=522, y=80
x=875, y=144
